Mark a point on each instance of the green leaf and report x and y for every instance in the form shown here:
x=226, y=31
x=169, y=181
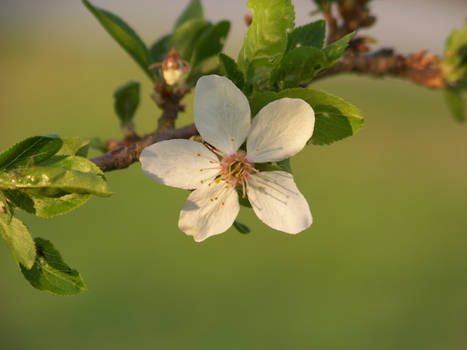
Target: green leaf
x=334, y=51
x=98, y=144
x=46, y=200
x=56, y=179
x=188, y=35
x=283, y=165
x=454, y=65
x=124, y=35
x=455, y=103
x=242, y=228
x=126, y=101
x=18, y=239
x=74, y=163
x=5, y=206
x=311, y=34
x=231, y=70
x=266, y=39
x=194, y=10
x=50, y=273
x=74, y=146
x=160, y=49
x=335, y=118
x=299, y=66
x=208, y=46
x=45, y=204
x=30, y=151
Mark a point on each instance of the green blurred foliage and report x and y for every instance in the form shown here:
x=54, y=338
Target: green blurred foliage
x=382, y=267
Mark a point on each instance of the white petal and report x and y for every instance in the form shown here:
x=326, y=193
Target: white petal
x=209, y=210
x=178, y=163
x=222, y=113
x=280, y=130
x=277, y=201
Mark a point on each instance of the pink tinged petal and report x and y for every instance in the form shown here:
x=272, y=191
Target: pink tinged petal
x=222, y=113
x=280, y=130
x=209, y=210
x=180, y=163
x=277, y=201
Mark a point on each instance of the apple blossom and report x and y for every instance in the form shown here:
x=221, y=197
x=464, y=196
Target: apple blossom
x=216, y=170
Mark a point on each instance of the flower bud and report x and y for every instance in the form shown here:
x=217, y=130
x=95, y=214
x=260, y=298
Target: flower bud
x=173, y=67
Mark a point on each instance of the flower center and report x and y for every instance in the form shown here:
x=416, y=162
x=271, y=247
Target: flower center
x=235, y=168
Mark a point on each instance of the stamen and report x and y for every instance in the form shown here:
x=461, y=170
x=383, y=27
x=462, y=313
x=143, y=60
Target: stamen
x=201, y=181
x=256, y=149
x=233, y=139
x=199, y=155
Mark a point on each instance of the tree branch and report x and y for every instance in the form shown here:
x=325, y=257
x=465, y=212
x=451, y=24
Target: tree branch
x=418, y=67
x=122, y=156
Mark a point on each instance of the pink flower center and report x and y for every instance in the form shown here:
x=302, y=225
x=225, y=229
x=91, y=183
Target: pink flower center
x=235, y=168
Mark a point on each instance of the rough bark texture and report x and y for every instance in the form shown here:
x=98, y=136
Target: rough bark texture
x=418, y=67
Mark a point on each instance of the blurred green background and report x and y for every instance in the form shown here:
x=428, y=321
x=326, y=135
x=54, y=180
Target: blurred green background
x=384, y=265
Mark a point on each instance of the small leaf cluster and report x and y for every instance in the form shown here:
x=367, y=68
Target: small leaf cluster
x=197, y=40
x=280, y=60
x=45, y=176
x=454, y=68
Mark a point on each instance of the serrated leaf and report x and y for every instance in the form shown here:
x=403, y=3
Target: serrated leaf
x=126, y=101
x=242, y=228
x=124, y=35
x=455, y=103
x=334, y=51
x=55, y=179
x=299, y=66
x=335, y=119
x=30, y=151
x=311, y=35
x=231, y=70
x=74, y=146
x=160, y=48
x=208, y=46
x=18, y=239
x=186, y=37
x=454, y=65
x=50, y=273
x=266, y=39
x=194, y=10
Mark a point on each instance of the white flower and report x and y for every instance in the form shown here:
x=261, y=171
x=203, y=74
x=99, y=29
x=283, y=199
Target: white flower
x=222, y=117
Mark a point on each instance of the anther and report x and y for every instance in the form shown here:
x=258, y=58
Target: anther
x=199, y=155
x=212, y=200
x=201, y=181
x=233, y=139
x=257, y=149
x=215, y=198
